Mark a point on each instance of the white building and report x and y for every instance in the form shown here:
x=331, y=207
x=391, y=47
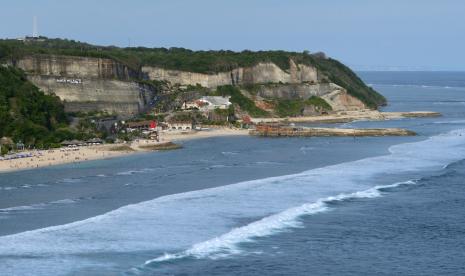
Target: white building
x=208, y=103
x=214, y=102
x=179, y=126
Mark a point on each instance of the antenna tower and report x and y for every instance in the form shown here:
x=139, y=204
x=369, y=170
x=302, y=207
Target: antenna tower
x=34, y=27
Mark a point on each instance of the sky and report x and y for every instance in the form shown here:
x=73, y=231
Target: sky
x=364, y=34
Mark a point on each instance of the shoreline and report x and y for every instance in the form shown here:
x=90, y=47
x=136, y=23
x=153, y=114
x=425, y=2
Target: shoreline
x=60, y=156
x=46, y=158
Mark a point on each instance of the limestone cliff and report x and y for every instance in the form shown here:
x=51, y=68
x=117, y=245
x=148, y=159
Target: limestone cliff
x=88, y=84
x=260, y=73
x=299, y=82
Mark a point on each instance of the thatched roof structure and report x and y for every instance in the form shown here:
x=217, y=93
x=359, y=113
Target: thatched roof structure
x=6, y=141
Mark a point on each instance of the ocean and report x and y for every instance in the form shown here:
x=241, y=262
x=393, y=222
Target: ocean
x=257, y=206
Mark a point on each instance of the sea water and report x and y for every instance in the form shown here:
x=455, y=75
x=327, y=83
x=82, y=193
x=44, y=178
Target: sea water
x=256, y=206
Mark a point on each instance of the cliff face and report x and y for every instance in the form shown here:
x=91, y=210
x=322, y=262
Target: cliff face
x=88, y=84
x=260, y=73
x=296, y=91
x=299, y=82
x=76, y=67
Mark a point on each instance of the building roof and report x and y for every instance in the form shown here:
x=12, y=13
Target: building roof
x=217, y=100
x=72, y=142
x=6, y=141
x=138, y=124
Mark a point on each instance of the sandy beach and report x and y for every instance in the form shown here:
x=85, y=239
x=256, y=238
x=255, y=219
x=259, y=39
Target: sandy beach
x=45, y=158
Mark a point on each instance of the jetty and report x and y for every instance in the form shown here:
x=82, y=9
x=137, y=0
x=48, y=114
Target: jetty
x=279, y=130
x=350, y=116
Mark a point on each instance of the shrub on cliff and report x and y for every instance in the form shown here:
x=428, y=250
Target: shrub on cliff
x=242, y=101
x=293, y=108
x=26, y=113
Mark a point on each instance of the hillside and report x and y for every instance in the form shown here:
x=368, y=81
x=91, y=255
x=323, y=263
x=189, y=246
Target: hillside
x=27, y=114
x=307, y=72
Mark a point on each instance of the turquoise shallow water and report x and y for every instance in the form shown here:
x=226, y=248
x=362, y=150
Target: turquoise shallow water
x=251, y=206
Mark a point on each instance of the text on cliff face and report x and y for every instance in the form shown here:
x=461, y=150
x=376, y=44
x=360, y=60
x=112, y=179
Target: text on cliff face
x=72, y=81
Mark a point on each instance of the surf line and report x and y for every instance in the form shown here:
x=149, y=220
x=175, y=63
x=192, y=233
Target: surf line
x=227, y=244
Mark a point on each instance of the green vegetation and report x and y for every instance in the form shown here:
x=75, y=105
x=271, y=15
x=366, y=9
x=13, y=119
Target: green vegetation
x=293, y=108
x=27, y=114
x=318, y=102
x=289, y=108
x=134, y=57
x=242, y=101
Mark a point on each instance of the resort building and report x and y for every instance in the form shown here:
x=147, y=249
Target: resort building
x=208, y=103
x=179, y=126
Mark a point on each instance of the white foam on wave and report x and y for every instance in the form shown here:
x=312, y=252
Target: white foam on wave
x=131, y=172
x=449, y=103
x=425, y=86
x=176, y=223
x=70, y=180
x=227, y=244
x=454, y=122
x=36, y=206
x=229, y=153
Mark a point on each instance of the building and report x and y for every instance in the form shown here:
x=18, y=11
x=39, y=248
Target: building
x=208, y=103
x=143, y=125
x=214, y=102
x=179, y=126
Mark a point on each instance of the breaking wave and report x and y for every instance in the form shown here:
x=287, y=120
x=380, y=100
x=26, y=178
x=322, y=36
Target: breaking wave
x=227, y=244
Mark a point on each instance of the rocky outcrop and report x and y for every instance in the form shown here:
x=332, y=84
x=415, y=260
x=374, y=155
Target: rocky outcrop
x=88, y=84
x=336, y=96
x=340, y=100
x=284, y=131
x=260, y=73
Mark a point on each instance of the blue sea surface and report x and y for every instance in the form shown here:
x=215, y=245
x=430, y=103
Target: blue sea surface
x=257, y=206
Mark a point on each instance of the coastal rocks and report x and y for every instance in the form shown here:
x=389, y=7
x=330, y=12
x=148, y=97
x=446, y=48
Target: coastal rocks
x=340, y=100
x=321, y=132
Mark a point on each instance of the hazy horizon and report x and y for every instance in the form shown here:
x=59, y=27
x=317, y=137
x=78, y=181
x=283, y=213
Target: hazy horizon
x=367, y=36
